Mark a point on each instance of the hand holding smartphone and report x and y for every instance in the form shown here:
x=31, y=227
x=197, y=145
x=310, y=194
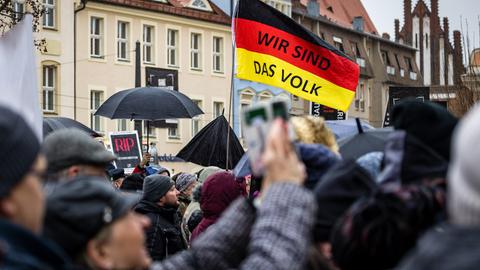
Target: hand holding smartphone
x=257, y=121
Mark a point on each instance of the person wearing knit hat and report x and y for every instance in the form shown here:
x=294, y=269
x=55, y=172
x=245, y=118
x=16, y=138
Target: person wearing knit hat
x=194, y=205
x=185, y=184
x=456, y=245
x=22, y=199
x=160, y=203
x=72, y=153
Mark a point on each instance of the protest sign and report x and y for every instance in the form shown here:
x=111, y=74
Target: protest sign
x=126, y=146
x=396, y=94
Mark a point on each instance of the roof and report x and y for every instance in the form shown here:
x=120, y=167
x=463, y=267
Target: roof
x=342, y=12
x=176, y=8
x=351, y=30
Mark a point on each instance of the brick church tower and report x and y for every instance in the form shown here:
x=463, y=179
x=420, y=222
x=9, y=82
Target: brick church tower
x=440, y=63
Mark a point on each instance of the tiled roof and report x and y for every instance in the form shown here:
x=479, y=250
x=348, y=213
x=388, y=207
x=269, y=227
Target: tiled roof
x=342, y=12
x=174, y=7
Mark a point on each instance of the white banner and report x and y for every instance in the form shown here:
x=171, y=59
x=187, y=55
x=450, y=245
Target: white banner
x=18, y=74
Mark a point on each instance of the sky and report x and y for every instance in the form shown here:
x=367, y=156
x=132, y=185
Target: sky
x=383, y=13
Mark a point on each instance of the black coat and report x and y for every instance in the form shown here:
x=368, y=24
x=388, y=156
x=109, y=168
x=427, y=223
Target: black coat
x=20, y=249
x=448, y=247
x=164, y=237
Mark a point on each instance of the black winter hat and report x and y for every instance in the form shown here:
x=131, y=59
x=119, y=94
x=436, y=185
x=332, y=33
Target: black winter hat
x=155, y=186
x=133, y=183
x=429, y=122
x=116, y=174
x=80, y=208
x=19, y=148
x=338, y=189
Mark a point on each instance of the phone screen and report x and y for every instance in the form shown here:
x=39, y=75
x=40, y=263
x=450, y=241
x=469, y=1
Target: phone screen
x=253, y=115
x=280, y=110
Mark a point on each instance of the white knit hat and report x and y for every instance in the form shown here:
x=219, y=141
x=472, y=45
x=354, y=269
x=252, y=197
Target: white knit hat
x=464, y=172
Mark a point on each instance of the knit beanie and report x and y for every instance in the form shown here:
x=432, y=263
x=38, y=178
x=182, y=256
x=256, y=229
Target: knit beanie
x=429, y=122
x=19, y=148
x=463, y=200
x=206, y=172
x=155, y=186
x=184, y=180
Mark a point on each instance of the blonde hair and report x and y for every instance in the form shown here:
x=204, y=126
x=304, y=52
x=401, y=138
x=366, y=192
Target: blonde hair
x=310, y=129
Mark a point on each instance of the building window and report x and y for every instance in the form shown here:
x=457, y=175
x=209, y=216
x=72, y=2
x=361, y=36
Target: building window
x=265, y=96
x=338, y=43
x=416, y=41
x=426, y=41
x=408, y=61
x=148, y=45
x=96, y=37
x=96, y=99
x=122, y=125
x=172, y=48
x=49, y=15
x=217, y=109
x=18, y=9
x=122, y=41
x=385, y=58
x=196, y=121
x=195, y=51
x=173, y=133
x=48, y=88
x=217, y=55
x=148, y=131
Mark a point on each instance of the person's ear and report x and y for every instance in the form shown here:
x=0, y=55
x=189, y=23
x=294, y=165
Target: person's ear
x=7, y=208
x=97, y=254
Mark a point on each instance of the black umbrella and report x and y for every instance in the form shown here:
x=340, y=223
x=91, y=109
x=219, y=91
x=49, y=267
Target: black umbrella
x=209, y=146
x=359, y=144
x=148, y=103
x=51, y=124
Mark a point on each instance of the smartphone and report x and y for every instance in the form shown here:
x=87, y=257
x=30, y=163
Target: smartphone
x=255, y=128
x=280, y=109
x=256, y=124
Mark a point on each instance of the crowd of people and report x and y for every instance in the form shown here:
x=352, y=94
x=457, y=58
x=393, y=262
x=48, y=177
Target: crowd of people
x=414, y=205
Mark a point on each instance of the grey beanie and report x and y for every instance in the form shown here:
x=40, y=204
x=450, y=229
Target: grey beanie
x=184, y=180
x=155, y=186
x=464, y=173
x=67, y=147
x=19, y=148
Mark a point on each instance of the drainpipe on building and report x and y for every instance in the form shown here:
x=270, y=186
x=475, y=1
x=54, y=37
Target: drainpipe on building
x=83, y=4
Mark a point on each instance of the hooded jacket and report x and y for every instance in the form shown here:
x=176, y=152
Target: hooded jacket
x=218, y=192
x=164, y=236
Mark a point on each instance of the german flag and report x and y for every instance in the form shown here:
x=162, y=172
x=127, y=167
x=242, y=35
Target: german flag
x=273, y=49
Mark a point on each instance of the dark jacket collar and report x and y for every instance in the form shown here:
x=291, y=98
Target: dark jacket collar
x=23, y=248
x=167, y=212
